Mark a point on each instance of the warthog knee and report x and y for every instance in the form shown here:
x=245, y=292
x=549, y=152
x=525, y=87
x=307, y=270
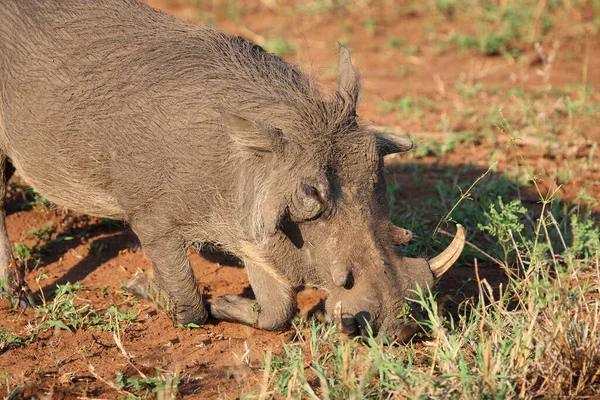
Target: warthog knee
x=275, y=319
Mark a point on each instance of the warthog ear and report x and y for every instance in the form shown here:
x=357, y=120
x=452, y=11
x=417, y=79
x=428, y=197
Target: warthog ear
x=391, y=144
x=347, y=80
x=254, y=136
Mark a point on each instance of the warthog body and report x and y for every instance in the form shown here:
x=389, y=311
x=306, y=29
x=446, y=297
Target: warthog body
x=113, y=109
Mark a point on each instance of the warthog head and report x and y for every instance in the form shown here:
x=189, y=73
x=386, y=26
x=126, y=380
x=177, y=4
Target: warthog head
x=326, y=215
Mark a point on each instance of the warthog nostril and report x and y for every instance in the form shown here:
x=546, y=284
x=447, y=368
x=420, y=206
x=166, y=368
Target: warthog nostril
x=398, y=330
x=363, y=320
x=349, y=284
x=342, y=277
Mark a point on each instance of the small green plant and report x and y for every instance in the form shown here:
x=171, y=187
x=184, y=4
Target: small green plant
x=37, y=200
x=504, y=223
x=67, y=312
x=206, y=18
x=499, y=28
x=279, y=46
x=344, y=41
x=62, y=312
x=586, y=239
x=113, y=319
x=97, y=247
x=9, y=339
x=11, y=393
x=493, y=44
x=162, y=385
x=466, y=42
x=447, y=7
x=22, y=251
x=42, y=234
x=407, y=107
x=31, y=254
x=411, y=50
x=394, y=42
x=232, y=10
x=370, y=25
x=190, y=325
x=323, y=6
x=468, y=90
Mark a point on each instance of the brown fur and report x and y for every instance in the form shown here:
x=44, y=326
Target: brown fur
x=114, y=109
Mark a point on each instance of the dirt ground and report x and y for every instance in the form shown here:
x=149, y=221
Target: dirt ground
x=219, y=359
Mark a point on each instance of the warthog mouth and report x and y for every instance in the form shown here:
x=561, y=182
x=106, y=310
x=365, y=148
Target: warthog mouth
x=395, y=326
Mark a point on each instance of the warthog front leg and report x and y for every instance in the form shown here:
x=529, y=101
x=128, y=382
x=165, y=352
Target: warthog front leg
x=11, y=276
x=273, y=309
x=173, y=288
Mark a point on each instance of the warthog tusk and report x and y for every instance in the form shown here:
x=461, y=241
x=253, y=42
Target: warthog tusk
x=440, y=264
x=337, y=316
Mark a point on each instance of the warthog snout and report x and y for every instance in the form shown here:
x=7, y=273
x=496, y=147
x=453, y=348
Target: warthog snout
x=381, y=298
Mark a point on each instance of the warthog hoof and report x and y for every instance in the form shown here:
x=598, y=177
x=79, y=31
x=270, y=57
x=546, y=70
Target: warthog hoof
x=22, y=298
x=143, y=286
x=15, y=288
x=26, y=298
x=234, y=308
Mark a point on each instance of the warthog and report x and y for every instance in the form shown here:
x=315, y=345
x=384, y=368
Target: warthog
x=114, y=109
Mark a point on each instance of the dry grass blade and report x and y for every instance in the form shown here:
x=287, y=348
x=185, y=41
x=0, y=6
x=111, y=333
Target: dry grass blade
x=109, y=383
x=264, y=387
x=480, y=250
x=117, y=339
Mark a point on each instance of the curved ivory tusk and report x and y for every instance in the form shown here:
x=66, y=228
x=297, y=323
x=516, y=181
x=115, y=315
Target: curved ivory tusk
x=440, y=264
x=337, y=316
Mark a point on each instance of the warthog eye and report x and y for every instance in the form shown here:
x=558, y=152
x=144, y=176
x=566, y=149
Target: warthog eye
x=312, y=192
x=309, y=203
